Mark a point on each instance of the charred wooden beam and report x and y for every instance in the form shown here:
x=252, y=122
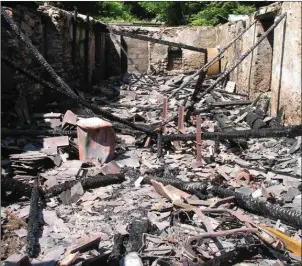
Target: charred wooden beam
x=137, y=228
x=87, y=183
x=160, y=41
x=290, y=131
x=33, y=245
x=231, y=103
x=74, y=36
x=5, y=132
x=197, y=188
x=230, y=93
x=264, y=208
x=117, y=250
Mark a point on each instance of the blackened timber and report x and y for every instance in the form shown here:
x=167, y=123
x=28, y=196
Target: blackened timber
x=5, y=132
x=86, y=68
x=74, y=36
x=265, y=208
x=87, y=183
x=33, y=246
x=155, y=40
x=231, y=103
x=230, y=93
x=290, y=131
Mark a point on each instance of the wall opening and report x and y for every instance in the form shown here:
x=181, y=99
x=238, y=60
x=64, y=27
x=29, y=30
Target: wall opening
x=174, y=58
x=263, y=57
x=124, y=59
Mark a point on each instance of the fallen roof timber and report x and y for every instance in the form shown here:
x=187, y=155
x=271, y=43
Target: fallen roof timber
x=164, y=42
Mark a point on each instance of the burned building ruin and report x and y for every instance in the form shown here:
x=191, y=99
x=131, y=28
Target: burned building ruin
x=141, y=144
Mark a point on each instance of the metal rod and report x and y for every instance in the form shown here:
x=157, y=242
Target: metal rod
x=181, y=126
x=155, y=40
x=165, y=114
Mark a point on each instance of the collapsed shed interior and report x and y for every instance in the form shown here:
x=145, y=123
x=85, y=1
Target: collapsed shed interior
x=150, y=145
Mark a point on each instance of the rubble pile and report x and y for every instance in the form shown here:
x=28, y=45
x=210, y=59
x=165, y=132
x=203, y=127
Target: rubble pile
x=166, y=208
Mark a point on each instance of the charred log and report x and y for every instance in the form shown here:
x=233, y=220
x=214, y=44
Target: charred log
x=137, y=228
x=117, y=250
x=264, y=208
x=197, y=188
x=291, y=131
x=88, y=183
x=33, y=229
x=7, y=132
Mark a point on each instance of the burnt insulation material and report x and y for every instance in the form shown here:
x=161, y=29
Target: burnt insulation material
x=33, y=228
x=197, y=188
x=263, y=208
x=87, y=183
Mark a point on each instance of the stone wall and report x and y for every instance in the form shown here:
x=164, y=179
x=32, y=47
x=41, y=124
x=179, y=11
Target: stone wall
x=286, y=72
x=15, y=87
x=203, y=37
x=148, y=56
x=274, y=67
x=51, y=30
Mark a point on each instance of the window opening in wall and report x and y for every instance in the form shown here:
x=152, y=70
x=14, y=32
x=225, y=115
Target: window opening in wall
x=174, y=58
x=264, y=57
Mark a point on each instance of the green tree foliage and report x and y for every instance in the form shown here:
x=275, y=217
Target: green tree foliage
x=212, y=12
x=170, y=12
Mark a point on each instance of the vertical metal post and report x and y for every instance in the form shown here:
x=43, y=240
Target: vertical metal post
x=87, y=50
x=74, y=36
x=159, y=144
x=198, y=138
x=181, y=112
x=165, y=114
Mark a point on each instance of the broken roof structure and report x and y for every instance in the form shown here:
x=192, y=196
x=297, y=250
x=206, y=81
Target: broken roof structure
x=139, y=145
